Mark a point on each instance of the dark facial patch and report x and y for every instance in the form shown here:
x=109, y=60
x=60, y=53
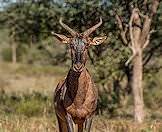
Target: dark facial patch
x=79, y=45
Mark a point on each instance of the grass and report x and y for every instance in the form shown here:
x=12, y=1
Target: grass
x=28, y=78
x=25, y=124
x=34, y=112
x=32, y=70
x=100, y=124
x=26, y=103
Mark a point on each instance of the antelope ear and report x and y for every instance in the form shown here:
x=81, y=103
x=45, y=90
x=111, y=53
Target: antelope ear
x=62, y=38
x=98, y=40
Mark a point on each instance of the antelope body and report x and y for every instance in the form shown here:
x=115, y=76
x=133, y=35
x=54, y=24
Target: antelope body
x=75, y=98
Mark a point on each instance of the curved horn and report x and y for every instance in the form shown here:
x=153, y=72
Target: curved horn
x=71, y=31
x=90, y=30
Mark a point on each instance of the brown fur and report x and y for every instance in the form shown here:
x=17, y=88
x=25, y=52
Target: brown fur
x=80, y=99
x=75, y=98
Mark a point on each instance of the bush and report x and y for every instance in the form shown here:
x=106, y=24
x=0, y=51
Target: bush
x=107, y=103
x=6, y=54
x=30, y=108
x=34, y=104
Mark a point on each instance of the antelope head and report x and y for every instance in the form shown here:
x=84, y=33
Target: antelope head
x=79, y=44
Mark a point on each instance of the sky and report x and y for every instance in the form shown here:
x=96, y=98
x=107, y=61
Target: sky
x=3, y=3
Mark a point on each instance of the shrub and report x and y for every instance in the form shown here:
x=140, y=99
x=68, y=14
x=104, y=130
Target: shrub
x=6, y=54
x=30, y=105
x=30, y=108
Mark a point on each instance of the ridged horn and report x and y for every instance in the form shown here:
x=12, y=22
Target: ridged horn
x=71, y=31
x=90, y=30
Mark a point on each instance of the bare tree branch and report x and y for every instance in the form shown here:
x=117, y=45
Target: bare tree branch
x=130, y=59
x=145, y=5
x=145, y=30
x=122, y=30
x=132, y=43
x=148, y=39
x=134, y=54
x=147, y=59
x=147, y=42
x=132, y=48
x=144, y=2
x=147, y=23
x=119, y=21
x=155, y=4
x=123, y=35
x=131, y=28
x=142, y=15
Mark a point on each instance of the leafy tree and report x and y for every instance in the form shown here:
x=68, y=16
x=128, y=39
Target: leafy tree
x=136, y=34
x=29, y=22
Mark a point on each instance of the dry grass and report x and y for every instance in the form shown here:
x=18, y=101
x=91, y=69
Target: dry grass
x=24, y=124
x=105, y=125
x=100, y=124
x=26, y=79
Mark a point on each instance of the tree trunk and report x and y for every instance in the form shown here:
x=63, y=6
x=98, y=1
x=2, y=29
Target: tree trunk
x=137, y=88
x=31, y=41
x=139, y=33
x=14, y=54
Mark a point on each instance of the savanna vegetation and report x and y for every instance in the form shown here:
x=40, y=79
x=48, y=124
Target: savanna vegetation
x=32, y=61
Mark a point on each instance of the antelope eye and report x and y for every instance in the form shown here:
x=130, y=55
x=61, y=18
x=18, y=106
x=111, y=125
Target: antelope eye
x=87, y=45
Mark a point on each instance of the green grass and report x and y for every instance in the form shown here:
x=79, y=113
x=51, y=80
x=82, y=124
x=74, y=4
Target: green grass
x=29, y=105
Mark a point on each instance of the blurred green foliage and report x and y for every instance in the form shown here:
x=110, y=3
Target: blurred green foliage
x=26, y=104
x=29, y=24
x=6, y=54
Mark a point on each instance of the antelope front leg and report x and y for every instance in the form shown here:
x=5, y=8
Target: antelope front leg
x=88, y=124
x=78, y=127
x=69, y=123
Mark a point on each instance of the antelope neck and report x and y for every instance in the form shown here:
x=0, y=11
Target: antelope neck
x=73, y=76
x=76, y=81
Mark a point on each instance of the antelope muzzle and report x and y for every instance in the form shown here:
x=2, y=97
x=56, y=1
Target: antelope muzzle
x=78, y=67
